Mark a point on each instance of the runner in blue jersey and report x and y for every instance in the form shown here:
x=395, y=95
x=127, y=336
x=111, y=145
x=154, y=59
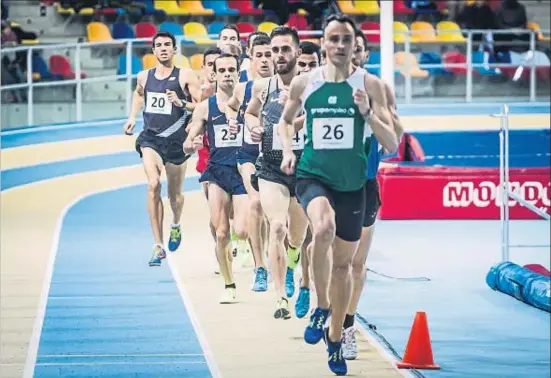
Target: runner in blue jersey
x=225, y=186
x=169, y=95
x=372, y=205
x=262, y=66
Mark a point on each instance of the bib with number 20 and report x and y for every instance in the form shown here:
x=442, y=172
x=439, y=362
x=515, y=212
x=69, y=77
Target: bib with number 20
x=333, y=133
x=223, y=137
x=157, y=103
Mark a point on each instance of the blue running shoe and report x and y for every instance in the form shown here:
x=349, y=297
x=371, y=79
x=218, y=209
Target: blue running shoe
x=158, y=255
x=303, y=302
x=290, y=283
x=260, y=280
x=314, y=331
x=175, y=238
x=336, y=362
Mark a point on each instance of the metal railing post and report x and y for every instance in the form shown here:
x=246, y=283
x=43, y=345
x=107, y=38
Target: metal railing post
x=408, y=88
x=128, y=63
x=30, y=88
x=533, y=67
x=469, y=78
x=79, y=84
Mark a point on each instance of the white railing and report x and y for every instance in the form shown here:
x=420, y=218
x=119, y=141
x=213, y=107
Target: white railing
x=129, y=45
x=505, y=191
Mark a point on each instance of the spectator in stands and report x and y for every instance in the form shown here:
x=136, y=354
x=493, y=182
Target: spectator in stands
x=424, y=7
x=512, y=15
x=11, y=69
x=283, y=8
x=477, y=16
x=4, y=10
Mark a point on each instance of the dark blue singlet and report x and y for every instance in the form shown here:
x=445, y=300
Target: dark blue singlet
x=248, y=153
x=243, y=77
x=222, y=164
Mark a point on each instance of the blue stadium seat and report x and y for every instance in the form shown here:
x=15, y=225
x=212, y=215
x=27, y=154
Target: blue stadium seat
x=478, y=58
x=220, y=8
x=171, y=27
x=122, y=30
x=433, y=58
x=215, y=27
x=136, y=65
x=39, y=66
x=374, y=58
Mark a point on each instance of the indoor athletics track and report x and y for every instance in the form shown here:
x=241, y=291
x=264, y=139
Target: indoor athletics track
x=79, y=300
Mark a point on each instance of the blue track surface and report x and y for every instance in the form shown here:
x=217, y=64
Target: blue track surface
x=109, y=313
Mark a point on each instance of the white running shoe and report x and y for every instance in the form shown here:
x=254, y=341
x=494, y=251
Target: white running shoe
x=349, y=346
x=229, y=296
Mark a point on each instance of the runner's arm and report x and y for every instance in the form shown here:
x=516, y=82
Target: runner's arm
x=232, y=107
x=138, y=95
x=189, y=78
x=252, y=115
x=299, y=123
x=286, y=127
x=381, y=120
x=198, y=121
x=391, y=101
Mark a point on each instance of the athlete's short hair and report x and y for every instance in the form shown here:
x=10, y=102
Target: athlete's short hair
x=286, y=30
x=341, y=18
x=211, y=51
x=311, y=48
x=251, y=38
x=164, y=34
x=361, y=34
x=230, y=27
x=261, y=40
x=226, y=55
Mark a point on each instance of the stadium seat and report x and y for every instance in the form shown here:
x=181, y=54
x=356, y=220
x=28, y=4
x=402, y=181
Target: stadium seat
x=267, y=27
x=220, y=8
x=195, y=8
x=368, y=7
x=536, y=27
x=433, y=58
x=298, y=22
x=150, y=9
x=400, y=7
x=40, y=67
x=98, y=32
x=245, y=7
x=71, y=11
x=170, y=7
x=122, y=30
x=215, y=27
x=422, y=32
x=171, y=27
x=198, y=33
x=481, y=57
x=196, y=61
x=347, y=7
x=60, y=65
x=149, y=61
x=136, y=65
x=400, y=32
x=374, y=27
x=145, y=30
x=453, y=57
x=449, y=31
x=407, y=62
x=245, y=28
x=181, y=61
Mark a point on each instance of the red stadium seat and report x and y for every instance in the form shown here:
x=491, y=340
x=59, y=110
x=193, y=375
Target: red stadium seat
x=245, y=7
x=245, y=28
x=60, y=65
x=145, y=30
x=400, y=7
x=298, y=22
x=455, y=58
x=372, y=26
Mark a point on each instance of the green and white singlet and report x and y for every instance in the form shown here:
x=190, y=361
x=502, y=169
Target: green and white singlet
x=335, y=151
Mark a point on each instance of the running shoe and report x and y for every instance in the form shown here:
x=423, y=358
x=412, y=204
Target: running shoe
x=349, y=346
x=303, y=302
x=336, y=362
x=229, y=296
x=175, y=238
x=260, y=280
x=293, y=257
x=314, y=331
x=282, y=309
x=158, y=255
x=290, y=283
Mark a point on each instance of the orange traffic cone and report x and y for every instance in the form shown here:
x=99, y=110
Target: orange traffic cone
x=418, y=353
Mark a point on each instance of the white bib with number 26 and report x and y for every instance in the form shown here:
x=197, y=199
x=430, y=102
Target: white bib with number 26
x=157, y=103
x=333, y=133
x=223, y=137
x=297, y=143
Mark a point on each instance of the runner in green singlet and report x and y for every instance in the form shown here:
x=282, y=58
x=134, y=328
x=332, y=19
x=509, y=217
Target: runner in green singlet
x=331, y=171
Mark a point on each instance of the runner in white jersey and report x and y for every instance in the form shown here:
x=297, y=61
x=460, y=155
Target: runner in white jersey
x=169, y=95
x=262, y=66
x=277, y=190
x=331, y=171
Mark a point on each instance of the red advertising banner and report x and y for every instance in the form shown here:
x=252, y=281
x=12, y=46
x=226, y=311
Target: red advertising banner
x=459, y=193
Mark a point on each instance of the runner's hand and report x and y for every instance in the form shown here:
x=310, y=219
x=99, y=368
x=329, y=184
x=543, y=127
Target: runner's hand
x=129, y=126
x=256, y=134
x=234, y=126
x=288, y=163
x=173, y=98
x=284, y=96
x=360, y=99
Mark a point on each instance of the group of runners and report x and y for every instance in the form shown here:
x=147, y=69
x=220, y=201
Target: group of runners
x=288, y=140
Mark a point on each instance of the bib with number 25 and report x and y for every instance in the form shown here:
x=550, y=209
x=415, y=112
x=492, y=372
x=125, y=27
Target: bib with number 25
x=157, y=103
x=223, y=137
x=297, y=143
x=333, y=133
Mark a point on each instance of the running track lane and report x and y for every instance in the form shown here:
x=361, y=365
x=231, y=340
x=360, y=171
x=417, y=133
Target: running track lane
x=108, y=312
